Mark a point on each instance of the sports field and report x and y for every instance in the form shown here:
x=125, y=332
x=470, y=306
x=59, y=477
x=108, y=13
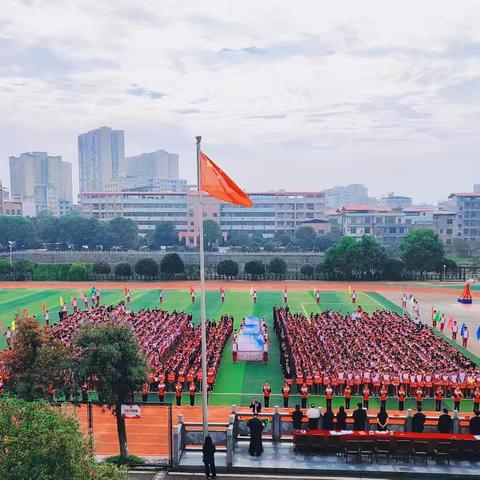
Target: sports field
x=237, y=382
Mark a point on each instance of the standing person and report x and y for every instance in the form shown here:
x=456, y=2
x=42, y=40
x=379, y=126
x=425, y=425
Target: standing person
x=313, y=415
x=192, y=389
x=327, y=420
x=234, y=351
x=438, y=399
x=254, y=296
x=382, y=420
x=285, y=394
x=383, y=397
x=418, y=421
x=46, y=317
x=329, y=396
x=192, y=295
x=129, y=295
x=416, y=308
x=297, y=417
x=255, y=425
x=454, y=330
x=256, y=406
x=419, y=397
x=161, y=390
x=317, y=296
x=97, y=297
x=304, y=395
x=341, y=419
x=222, y=295
x=285, y=296
x=401, y=398
x=267, y=391
x=51, y=393
x=476, y=400
x=178, y=393
x=465, y=335
x=366, y=396
x=208, y=451
x=474, y=424
x=74, y=305
x=85, y=302
x=457, y=398
x=265, y=352
x=443, y=320
x=160, y=297
x=347, y=393
x=145, y=392
x=445, y=422
x=404, y=301
x=354, y=296
x=359, y=418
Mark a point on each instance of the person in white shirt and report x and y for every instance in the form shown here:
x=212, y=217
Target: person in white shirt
x=465, y=336
x=454, y=330
x=46, y=317
x=254, y=296
x=313, y=415
x=354, y=296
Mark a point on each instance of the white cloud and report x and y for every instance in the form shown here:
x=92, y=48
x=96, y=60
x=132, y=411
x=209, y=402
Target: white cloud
x=347, y=92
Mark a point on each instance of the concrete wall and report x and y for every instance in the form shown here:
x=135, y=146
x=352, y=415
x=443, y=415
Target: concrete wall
x=294, y=260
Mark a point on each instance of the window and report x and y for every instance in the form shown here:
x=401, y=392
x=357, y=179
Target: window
x=449, y=221
x=367, y=230
x=449, y=231
x=393, y=230
x=353, y=229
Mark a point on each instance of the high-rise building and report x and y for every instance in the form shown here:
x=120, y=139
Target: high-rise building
x=476, y=188
x=396, y=201
x=338, y=197
x=158, y=164
x=101, y=158
x=42, y=179
x=467, y=209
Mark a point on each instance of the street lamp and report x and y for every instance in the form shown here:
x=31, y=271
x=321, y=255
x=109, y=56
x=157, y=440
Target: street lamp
x=10, y=246
x=444, y=271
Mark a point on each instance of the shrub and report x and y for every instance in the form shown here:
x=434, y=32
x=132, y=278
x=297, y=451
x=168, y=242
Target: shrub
x=23, y=266
x=5, y=267
x=77, y=272
x=171, y=264
x=307, y=270
x=227, y=268
x=101, y=268
x=123, y=270
x=255, y=268
x=146, y=267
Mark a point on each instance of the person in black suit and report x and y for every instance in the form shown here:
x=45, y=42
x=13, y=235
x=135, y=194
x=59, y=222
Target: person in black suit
x=418, y=421
x=209, y=457
x=256, y=406
x=445, y=422
x=327, y=420
x=341, y=419
x=474, y=424
x=256, y=427
x=297, y=416
x=359, y=418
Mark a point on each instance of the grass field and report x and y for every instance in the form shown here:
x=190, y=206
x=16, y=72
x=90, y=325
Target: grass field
x=236, y=383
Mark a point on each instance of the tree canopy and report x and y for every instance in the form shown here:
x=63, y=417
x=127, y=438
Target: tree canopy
x=422, y=251
x=164, y=235
x=171, y=264
x=147, y=267
x=277, y=267
x=227, y=268
x=305, y=237
x=255, y=268
x=212, y=233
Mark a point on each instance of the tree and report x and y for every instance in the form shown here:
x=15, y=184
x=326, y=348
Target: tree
x=20, y=230
x=171, y=264
x=461, y=247
x=123, y=270
x=78, y=272
x=164, y=235
x=23, y=268
x=227, y=268
x=101, y=268
x=257, y=240
x=307, y=270
x=269, y=247
x=119, y=232
x=38, y=441
x=5, y=267
x=49, y=228
x=36, y=361
x=277, y=267
x=283, y=238
x=305, y=237
x=79, y=231
x=239, y=239
x=393, y=270
x=212, y=233
x=422, y=251
x=324, y=242
x=112, y=353
x=147, y=267
x=255, y=268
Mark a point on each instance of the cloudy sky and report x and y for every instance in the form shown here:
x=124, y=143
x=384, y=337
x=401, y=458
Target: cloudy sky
x=295, y=95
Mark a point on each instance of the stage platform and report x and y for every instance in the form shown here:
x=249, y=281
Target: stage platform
x=280, y=459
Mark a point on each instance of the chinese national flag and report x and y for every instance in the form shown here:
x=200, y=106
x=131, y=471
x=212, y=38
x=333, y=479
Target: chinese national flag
x=218, y=184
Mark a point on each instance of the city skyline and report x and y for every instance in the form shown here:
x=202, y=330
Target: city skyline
x=383, y=95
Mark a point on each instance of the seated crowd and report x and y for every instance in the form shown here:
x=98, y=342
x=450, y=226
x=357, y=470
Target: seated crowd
x=378, y=353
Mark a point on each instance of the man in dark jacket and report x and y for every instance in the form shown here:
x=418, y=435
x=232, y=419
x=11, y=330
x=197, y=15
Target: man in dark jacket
x=256, y=406
x=256, y=427
x=474, y=425
x=418, y=421
x=359, y=418
x=297, y=416
x=445, y=422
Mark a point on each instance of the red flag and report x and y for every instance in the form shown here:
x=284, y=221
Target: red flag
x=218, y=184
x=191, y=290
x=450, y=322
x=221, y=290
x=285, y=289
x=44, y=307
x=3, y=327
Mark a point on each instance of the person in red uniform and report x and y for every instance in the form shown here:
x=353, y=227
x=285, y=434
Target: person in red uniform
x=476, y=400
x=267, y=391
x=329, y=396
x=192, y=390
x=161, y=391
x=419, y=397
x=304, y=395
x=347, y=393
x=438, y=399
x=171, y=379
x=234, y=351
x=285, y=394
x=366, y=396
x=145, y=392
x=178, y=393
x=401, y=398
x=457, y=398
x=51, y=393
x=383, y=397
x=210, y=379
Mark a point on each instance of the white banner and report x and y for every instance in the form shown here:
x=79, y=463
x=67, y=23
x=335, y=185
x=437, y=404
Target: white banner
x=130, y=411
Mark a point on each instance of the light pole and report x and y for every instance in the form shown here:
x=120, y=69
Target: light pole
x=444, y=271
x=10, y=246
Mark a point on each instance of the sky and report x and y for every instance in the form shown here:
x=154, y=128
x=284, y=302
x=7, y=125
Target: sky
x=295, y=95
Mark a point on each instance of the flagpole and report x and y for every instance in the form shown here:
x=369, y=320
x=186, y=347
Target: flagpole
x=202, y=298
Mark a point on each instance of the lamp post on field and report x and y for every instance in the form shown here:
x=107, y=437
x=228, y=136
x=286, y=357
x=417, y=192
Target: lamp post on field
x=444, y=272
x=10, y=246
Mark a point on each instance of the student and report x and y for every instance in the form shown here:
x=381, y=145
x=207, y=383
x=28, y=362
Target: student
x=209, y=457
x=46, y=317
x=145, y=392
x=192, y=390
x=347, y=393
x=401, y=398
x=267, y=391
x=178, y=393
x=285, y=394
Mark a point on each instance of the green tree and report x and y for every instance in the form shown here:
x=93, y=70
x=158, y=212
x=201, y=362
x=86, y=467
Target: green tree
x=393, y=270
x=78, y=272
x=422, y=251
x=119, y=232
x=211, y=233
x=123, y=270
x=283, y=238
x=255, y=268
x=112, y=353
x=79, y=231
x=36, y=361
x=277, y=267
x=227, y=268
x=164, y=235
x=239, y=239
x=49, y=228
x=5, y=267
x=40, y=442
x=171, y=265
x=305, y=237
x=20, y=230
x=147, y=267
x=337, y=262
x=307, y=270
x=101, y=268
x=324, y=242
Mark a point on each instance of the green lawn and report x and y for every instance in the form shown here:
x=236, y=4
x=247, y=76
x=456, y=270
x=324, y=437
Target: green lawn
x=236, y=383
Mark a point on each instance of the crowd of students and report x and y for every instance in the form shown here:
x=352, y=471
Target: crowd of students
x=381, y=353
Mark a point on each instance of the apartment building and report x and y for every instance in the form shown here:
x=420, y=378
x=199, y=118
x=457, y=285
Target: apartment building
x=467, y=209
